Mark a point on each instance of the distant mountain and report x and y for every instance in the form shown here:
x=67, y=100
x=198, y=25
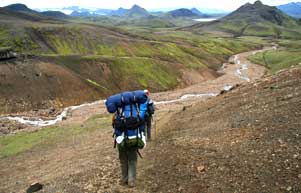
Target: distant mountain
x=55, y=14
x=196, y=11
x=199, y=13
x=77, y=8
x=254, y=19
x=19, y=7
x=120, y=12
x=69, y=10
x=181, y=13
x=212, y=11
x=82, y=14
x=137, y=11
x=292, y=9
x=257, y=12
x=20, y=12
x=102, y=11
x=92, y=11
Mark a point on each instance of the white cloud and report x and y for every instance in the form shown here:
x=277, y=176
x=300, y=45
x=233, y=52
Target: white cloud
x=228, y=5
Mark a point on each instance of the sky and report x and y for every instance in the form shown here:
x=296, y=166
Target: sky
x=226, y=5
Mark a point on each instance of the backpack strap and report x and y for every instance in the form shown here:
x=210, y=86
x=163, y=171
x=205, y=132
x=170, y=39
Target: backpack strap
x=131, y=108
x=122, y=105
x=122, y=99
x=136, y=105
x=137, y=135
x=119, y=112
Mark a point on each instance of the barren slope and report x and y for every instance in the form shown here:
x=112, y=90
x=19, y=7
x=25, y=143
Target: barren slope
x=247, y=140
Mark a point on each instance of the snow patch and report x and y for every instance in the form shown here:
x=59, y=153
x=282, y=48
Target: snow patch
x=185, y=97
x=43, y=123
x=227, y=87
x=243, y=67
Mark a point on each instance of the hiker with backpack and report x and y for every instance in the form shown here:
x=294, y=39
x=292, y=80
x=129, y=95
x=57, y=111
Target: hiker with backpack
x=129, y=110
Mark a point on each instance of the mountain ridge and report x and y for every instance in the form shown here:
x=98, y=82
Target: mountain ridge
x=137, y=11
x=182, y=12
x=21, y=11
x=254, y=19
x=19, y=7
x=55, y=14
x=293, y=9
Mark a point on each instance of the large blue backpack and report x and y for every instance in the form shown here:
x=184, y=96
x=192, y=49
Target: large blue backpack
x=129, y=112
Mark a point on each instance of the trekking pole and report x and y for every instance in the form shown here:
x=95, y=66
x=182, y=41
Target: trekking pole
x=139, y=154
x=155, y=127
x=115, y=143
x=155, y=141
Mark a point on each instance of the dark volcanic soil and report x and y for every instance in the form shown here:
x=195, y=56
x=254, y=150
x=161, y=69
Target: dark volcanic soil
x=248, y=140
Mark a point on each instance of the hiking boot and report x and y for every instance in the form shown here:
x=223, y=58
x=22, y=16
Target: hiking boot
x=131, y=184
x=123, y=183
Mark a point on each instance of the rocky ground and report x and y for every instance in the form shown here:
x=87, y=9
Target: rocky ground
x=245, y=140
x=210, y=147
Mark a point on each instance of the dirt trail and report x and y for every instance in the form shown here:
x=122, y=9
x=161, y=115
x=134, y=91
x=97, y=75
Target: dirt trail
x=89, y=163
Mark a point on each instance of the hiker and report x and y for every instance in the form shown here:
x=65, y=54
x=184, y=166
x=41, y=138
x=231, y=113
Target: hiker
x=129, y=125
x=149, y=115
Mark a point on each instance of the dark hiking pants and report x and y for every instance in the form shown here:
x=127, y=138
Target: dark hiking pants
x=128, y=162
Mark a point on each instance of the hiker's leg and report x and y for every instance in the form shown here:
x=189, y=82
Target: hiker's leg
x=123, y=157
x=132, y=153
x=149, y=128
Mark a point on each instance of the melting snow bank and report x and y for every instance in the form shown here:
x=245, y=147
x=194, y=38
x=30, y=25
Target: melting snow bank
x=243, y=67
x=227, y=87
x=185, y=97
x=60, y=117
x=63, y=115
x=239, y=73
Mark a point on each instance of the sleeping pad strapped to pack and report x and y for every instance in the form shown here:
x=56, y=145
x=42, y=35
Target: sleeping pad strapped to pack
x=126, y=98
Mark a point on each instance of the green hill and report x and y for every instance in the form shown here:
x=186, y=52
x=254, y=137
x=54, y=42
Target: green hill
x=19, y=7
x=137, y=11
x=254, y=20
x=56, y=14
x=182, y=13
x=289, y=54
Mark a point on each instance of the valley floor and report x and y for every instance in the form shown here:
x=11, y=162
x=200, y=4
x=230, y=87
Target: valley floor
x=246, y=140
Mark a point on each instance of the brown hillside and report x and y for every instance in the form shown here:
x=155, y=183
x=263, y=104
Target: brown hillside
x=35, y=84
x=245, y=141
